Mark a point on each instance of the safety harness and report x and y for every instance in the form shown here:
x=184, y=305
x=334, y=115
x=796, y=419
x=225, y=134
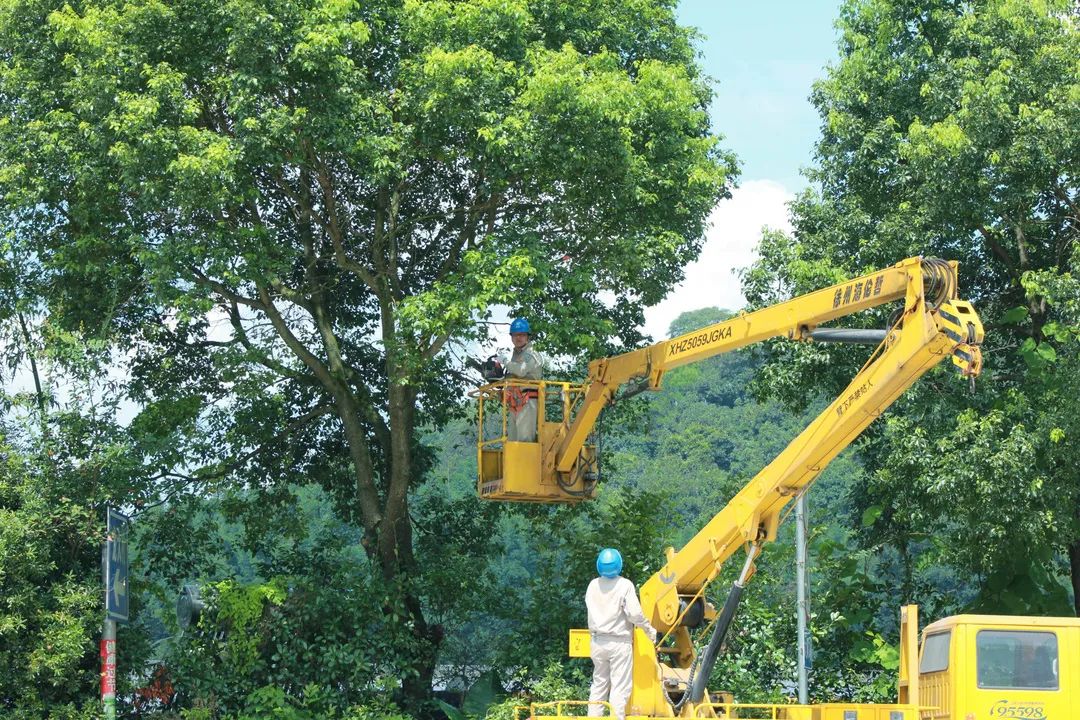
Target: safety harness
x=515, y=397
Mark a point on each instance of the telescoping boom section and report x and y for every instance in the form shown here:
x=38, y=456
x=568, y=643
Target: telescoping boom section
x=560, y=465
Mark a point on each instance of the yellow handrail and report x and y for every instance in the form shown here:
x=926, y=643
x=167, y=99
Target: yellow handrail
x=560, y=704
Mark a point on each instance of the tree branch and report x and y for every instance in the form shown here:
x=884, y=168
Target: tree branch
x=347, y=411
x=1021, y=243
x=333, y=228
x=299, y=349
x=261, y=357
x=999, y=251
x=220, y=472
x=224, y=291
x=291, y=294
x=436, y=345
x=1063, y=195
x=38, y=392
x=391, y=241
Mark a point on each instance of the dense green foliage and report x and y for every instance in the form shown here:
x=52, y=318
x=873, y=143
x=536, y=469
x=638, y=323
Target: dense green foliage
x=295, y=616
x=56, y=476
x=954, y=130
x=285, y=221
x=50, y=590
x=244, y=247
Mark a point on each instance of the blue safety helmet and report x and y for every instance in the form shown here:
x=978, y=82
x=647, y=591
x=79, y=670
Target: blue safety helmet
x=520, y=325
x=609, y=563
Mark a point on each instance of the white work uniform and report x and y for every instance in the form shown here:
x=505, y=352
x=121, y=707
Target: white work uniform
x=525, y=364
x=614, y=610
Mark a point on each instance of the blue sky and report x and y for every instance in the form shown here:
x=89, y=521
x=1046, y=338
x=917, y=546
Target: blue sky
x=763, y=58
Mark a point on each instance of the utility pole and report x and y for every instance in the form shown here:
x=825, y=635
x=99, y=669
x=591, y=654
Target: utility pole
x=803, y=607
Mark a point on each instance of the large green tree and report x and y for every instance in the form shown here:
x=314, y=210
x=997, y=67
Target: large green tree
x=288, y=214
x=951, y=129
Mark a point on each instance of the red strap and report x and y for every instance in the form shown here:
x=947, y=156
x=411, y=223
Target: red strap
x=516, y=397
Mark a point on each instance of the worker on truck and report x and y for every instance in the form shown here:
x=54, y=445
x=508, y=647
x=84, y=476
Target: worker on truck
x=614, y=611
x=521, y=402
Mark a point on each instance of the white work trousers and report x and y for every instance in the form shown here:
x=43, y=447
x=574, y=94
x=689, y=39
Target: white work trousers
x=613, y=674
x=521, y=423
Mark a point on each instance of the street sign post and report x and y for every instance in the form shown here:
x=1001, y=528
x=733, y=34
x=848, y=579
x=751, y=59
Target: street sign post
x=114, y=568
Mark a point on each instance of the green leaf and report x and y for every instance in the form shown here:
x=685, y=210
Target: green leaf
x=1032, y=357
x=451, y=712
x=1047, y=352
x=486, y=691
x=1057, y=331
x=870, y=515
x=1014, y=316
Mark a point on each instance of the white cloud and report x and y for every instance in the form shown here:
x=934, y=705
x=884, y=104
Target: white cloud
x=730, y=241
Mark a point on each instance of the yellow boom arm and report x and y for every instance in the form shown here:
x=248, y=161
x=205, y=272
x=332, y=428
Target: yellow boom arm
x=928, y=331
x=793, y=319
x=561, y=467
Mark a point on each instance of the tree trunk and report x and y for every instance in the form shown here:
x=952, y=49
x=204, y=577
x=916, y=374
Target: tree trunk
x=388, y=531
x=416, y=689
x=396, y=541
x=907, y=587
x=380, y=445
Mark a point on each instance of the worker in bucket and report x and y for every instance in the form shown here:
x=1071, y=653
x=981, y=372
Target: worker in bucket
x=614, y=611
x=521, y=402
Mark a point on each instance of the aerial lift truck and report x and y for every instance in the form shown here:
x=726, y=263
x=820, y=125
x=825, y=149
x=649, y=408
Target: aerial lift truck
x=970, y=666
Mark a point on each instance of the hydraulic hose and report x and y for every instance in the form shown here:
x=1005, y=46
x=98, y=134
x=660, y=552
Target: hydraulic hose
x=938, y=282
x=712, y=650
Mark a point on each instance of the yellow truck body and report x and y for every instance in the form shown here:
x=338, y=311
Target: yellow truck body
x=994, y=667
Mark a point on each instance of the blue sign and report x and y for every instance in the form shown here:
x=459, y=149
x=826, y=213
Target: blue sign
x=116, y=567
